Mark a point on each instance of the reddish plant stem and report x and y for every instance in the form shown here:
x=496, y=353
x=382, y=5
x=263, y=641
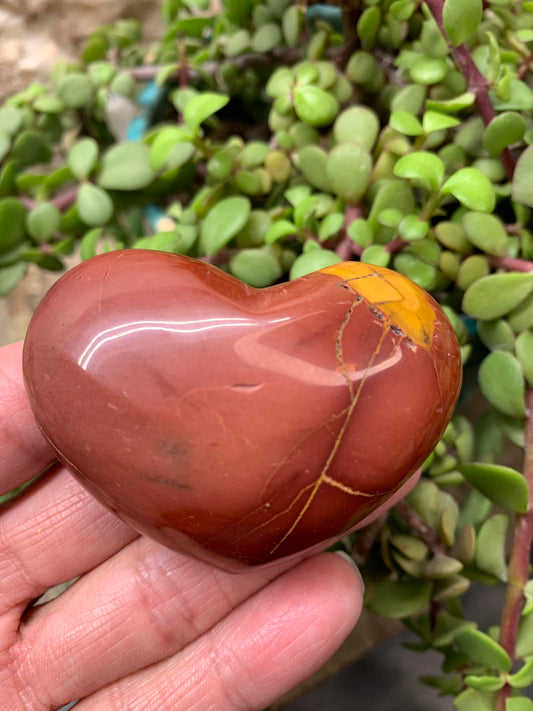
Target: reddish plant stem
x=251, y=60
x=477, y=83
x=347, y=248
x=61, y=201
x=519, y=561
x=396, y=245
x=415, y=523
x=511, y=264
x=365, y=539
x=524, y=66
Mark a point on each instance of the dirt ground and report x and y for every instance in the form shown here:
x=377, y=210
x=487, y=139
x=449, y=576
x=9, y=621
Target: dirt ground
x=35, y=34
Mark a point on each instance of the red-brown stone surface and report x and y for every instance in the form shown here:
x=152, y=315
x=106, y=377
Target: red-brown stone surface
x=241, y=425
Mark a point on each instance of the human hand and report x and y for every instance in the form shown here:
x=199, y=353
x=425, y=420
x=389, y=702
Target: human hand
x=143, y=627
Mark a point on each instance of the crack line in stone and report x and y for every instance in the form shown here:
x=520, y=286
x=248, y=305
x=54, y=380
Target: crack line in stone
x=336, y=446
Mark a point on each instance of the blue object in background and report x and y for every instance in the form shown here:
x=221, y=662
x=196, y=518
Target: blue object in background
x=326, y=13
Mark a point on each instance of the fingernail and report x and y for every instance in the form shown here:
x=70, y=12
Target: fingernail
x=350, y=560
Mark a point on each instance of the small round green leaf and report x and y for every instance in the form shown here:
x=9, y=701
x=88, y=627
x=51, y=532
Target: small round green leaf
x=255, y=230
x=361, y=67
x=361, y=232
x=405, y=122
x=416, y=269
x=502, y=383
x=237, y=43
x=279, y=229
x=201, y=107
x=410, y=98
x=161, y=242
x=523, y=678
x=368, y=25
x=376, y=254
x=437, y=121
x=89, y=243
x=291, y=25
x=495, y=295
x=331, y=225
x=5, y=144
x=504, y=130
x=473, y=700
x=524, y=352
x=256, y=267
x=441, y=566
x=82, y=158
x=11, y=119
x=312, y=261
x=486, y=232
x=521, y=318
x=402, y=9
x=461, y=19
x=524, y=642
x=253, y=154
x=358, y=124
x=123, y=84
x=411, y=547
x=171, y=149
x=426, y=169
x=497, y=335
x=490, y=553
x=311, y=161
x=280, y=82
x=278, y=166
x=348, y=169
x=473, y=189
x=266, y=38
x=48, y=104
x=484, y=682
x=428, y=70
x=412, y=228
x=223, y=222
x=10, y=277
x=12, y=224
x=523, y=178
x=75, y=90
x=453, y=236
x=31, y=148
x=126, y=167
x=393, y=598
x=43, y=221
x=504, y=486
x=315, y=106
x=94, y=205
x=482, y=649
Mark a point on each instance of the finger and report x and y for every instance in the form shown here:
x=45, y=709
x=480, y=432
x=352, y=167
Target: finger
x=53, y=533
x=141, y=606
x=23, y=449
x=265, y=647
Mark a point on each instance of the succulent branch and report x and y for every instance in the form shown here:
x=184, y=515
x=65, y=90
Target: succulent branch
x=519, y=562
x=477, y=83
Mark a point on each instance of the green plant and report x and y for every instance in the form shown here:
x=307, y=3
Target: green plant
x=274, y=139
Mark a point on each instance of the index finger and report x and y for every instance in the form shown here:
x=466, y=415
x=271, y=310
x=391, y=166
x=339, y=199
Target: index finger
x=24, y=452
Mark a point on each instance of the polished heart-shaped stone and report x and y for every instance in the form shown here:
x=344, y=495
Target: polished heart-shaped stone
x=238, y=424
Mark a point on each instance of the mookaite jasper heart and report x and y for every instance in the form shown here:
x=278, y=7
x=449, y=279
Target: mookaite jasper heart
x=239, y=424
